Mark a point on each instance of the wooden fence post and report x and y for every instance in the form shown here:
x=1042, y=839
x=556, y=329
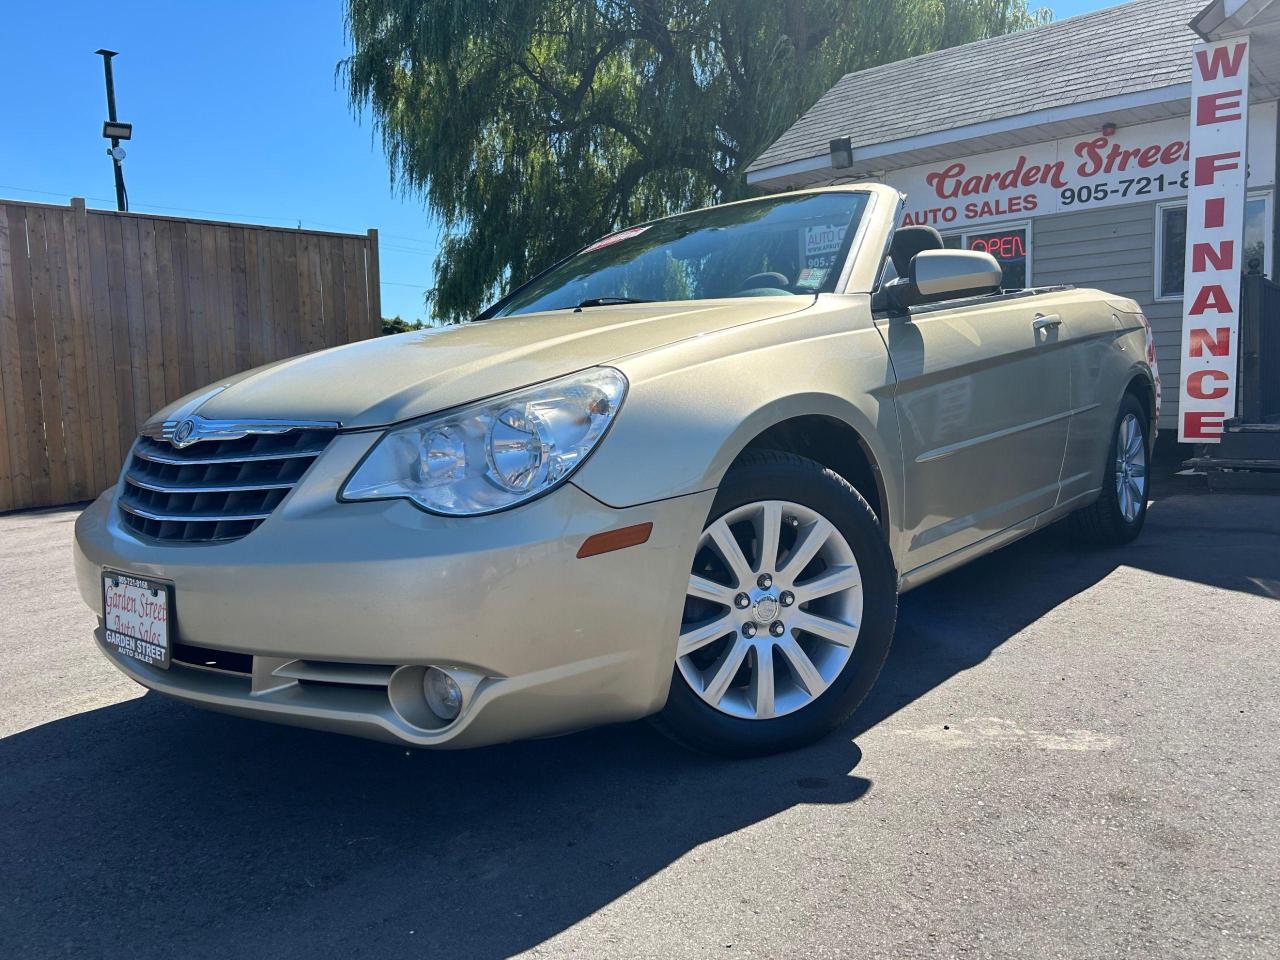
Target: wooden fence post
x=375, y=286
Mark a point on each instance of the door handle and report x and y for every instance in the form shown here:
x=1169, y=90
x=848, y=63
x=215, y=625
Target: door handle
x=1041, y=322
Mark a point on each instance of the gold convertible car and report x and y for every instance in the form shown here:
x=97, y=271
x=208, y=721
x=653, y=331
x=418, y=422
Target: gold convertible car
x=682, y=474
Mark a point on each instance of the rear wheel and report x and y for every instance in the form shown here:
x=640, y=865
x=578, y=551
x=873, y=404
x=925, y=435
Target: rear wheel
x=1118, y=515
x=789, y=611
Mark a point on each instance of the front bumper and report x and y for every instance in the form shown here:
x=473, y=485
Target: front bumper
x=356, y=598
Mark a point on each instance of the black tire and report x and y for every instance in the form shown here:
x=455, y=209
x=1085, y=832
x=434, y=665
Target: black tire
x=1103, y=522
x=771, y=475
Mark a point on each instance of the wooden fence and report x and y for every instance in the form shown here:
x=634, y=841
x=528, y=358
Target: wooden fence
x=106, y=317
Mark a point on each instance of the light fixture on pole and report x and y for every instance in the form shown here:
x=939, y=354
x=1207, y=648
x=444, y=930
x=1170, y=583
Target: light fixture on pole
x=115, y=131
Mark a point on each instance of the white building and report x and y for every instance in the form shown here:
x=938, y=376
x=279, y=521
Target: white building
x=1062, y=150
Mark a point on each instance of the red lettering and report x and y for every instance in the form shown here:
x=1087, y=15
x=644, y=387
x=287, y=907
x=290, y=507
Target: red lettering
x=1218, y=62
x=1211, y=107
x=1174, y=152
x=1125, y=157
x=946, y=182
x=955, y=180
x=1218, y=343
x=1196, y=387
x=1004, y=246
x=1211, y=297
x=1010, y=178
x=1208, y=167
x=1202, y=424
x=1223, y=257
x=1092, y=150
x=1114, y=156
x=1215, y=213
x=1096, y=158
x=915, y=218
x=1150, y=156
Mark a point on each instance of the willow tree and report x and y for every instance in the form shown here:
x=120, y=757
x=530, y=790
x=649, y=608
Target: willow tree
x=532, y=126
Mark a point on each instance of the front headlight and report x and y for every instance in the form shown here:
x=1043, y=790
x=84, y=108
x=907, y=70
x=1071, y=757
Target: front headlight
x=495, y=454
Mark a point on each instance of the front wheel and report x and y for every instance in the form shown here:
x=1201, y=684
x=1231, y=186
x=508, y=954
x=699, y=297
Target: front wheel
x=788, y=615
x=1118, y=515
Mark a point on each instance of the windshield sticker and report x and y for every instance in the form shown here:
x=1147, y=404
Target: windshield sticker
x=618, y=237
x=824, y=240
x=811, y=277
x=819, y=245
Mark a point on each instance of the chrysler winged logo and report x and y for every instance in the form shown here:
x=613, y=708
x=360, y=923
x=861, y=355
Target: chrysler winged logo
x=188, y=428
x=182, y=435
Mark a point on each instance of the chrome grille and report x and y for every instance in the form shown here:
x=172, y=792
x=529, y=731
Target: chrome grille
x=216, y=489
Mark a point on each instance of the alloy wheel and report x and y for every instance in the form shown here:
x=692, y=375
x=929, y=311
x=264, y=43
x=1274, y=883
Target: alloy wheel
x=1131, y=468
x=772, y=611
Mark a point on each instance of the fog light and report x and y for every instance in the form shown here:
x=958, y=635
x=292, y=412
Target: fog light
x=443, y=694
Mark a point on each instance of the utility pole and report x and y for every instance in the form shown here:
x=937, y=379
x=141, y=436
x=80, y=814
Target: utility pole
x=115, y=131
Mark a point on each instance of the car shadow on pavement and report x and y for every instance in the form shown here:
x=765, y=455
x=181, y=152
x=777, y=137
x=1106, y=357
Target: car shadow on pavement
x=152, y=829
x=149, y=828
x=954, y=623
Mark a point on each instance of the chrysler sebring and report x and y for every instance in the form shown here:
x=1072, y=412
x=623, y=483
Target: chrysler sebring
x=682, y=474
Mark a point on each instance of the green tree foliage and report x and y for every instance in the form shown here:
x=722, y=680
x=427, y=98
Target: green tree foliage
x=397, y=324
x=533, y=126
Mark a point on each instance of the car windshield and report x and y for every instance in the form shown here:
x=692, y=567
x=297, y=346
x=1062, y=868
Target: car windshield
x=775, y=247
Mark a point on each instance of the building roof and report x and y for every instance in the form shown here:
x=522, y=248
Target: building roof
x=1129, y=49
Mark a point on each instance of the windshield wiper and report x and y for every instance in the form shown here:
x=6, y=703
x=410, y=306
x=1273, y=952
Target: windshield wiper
x=609, y=301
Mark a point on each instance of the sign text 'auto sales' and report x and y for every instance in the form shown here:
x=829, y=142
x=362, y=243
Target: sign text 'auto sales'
x=1132, y=165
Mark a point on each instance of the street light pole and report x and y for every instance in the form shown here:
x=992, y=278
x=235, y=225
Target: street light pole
x=116, y=152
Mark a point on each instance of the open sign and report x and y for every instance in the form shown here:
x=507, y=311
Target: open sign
x=1011, y=245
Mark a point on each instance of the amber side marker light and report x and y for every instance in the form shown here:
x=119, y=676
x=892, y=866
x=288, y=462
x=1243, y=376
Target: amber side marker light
x=615, y=540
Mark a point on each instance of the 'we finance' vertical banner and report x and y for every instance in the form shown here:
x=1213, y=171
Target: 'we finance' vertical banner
x=1215, y=238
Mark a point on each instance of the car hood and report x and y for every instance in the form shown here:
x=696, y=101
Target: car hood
x=389, y=379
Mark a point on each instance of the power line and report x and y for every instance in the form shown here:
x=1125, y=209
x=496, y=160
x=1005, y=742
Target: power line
x=400, y=249
x=51, y=193
x=426, y=244
x=385, y=283
x=160, y=206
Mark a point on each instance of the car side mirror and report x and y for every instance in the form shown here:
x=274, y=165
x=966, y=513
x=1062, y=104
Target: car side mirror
x=945, y=275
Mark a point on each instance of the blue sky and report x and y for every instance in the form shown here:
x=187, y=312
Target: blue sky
x=1062, y=9
x=236, y=116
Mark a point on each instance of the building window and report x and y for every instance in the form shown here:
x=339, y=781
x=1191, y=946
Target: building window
x=1011, y=246
x=1171, y=243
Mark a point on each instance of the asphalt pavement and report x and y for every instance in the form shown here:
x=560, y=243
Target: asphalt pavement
x=1072, y=753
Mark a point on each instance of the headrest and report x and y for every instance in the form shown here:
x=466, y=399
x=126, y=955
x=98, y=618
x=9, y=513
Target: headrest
x=907, y=242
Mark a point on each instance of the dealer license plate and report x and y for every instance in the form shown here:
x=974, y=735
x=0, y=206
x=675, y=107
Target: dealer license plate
x=136, y=614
